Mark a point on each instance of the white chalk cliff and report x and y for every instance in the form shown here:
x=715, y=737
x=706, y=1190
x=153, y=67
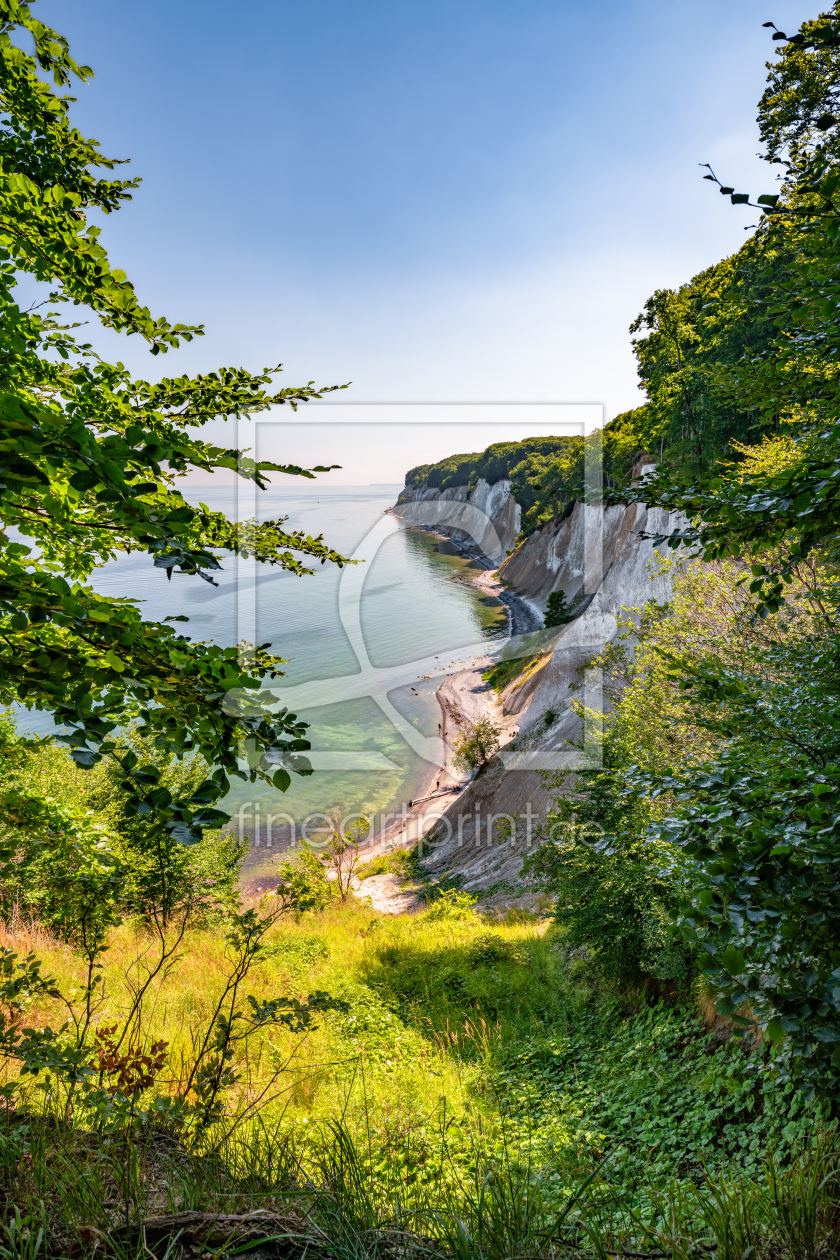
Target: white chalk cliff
x=602, y=560
x=485, y=520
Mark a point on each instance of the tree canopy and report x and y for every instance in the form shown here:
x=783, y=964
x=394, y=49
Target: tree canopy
x=754, y=826
x=90, y=460
x=546, y=473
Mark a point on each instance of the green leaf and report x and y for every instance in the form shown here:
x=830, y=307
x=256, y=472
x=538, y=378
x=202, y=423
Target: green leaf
x=774, y=1031
x=733, y=960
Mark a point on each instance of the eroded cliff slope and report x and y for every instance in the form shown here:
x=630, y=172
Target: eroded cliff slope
x=484, y=521
x=604, y=561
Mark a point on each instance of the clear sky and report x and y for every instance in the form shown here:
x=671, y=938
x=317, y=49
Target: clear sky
x=446, y=199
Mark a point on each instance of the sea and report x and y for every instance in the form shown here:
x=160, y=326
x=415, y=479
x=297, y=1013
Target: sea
x=365, y=646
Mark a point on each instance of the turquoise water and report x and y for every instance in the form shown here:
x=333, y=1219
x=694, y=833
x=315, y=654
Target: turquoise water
x=356, y=641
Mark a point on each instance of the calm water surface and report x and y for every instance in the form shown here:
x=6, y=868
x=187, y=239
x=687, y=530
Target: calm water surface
x=411, y=601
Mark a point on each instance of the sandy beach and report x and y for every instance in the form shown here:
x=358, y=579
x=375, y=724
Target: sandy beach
x=464, y=697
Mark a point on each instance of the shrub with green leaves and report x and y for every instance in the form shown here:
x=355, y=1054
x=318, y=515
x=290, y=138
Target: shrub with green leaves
x=162, y=877
x=158, y=877
x=763, y=906
x=618, y=906
x=59, y=866
x=303, y=884
x=453, y=903
x=477, y=745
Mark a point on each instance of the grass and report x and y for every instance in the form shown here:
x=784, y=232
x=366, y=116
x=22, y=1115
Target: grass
x=478, y=1078
x=402, y=862
x=508, y=670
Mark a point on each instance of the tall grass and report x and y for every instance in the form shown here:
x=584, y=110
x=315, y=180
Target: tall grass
x=481, y=1098
x=64, y=1196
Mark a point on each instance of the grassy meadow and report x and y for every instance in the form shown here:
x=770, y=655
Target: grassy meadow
x=478, y=1076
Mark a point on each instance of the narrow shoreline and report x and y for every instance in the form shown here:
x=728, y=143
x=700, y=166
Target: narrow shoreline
x=453, y=696
x=522, y=619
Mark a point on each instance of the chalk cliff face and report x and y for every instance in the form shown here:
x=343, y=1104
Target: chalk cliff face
x=599, y=558
x=485, y=521
x=602, y=562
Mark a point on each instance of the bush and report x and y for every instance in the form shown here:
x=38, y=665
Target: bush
x=490, y=948
x=452, y=904
x=477, y=745
x=304, y=885
x=158, y=876
x=403, y=863
x=63, y=872
x=163, y=877
x=377, y=866
x=618, y=906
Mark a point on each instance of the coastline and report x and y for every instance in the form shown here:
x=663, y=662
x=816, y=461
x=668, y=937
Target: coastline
x=523, y=618
x=463, y=697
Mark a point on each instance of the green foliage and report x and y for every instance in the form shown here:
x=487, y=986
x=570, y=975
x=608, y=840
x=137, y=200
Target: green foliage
x=546, y=474
x=759, y=819
x=452, y=904
x=401, y=862
x=157, y=877
x=303, y=884
x=343, y=854
x=345, y=1194
x=764, y=905
x=60, y=867
x=535, y=1076
x=792, y=508
x=163, y=878
x=377, y=866
x=716, y=805
x=490, y=948
x=502, y=674
x=692, y=335
x=305, y=949
x=664, y=1088
x=618, y=906
x=557, y=611
x=89, y=463
x=105, y=1076
x=477, y=745
x=700, y=681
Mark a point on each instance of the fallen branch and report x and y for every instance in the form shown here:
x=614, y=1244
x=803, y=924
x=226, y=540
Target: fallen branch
x=219, y=1229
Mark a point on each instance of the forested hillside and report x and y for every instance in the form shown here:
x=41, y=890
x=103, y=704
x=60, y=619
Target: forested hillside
x=545, y=473
x=718, y=792
x=687, y=343
x=698, y=415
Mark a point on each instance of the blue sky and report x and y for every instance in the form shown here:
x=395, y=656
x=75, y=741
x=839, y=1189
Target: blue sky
x=461, y=199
